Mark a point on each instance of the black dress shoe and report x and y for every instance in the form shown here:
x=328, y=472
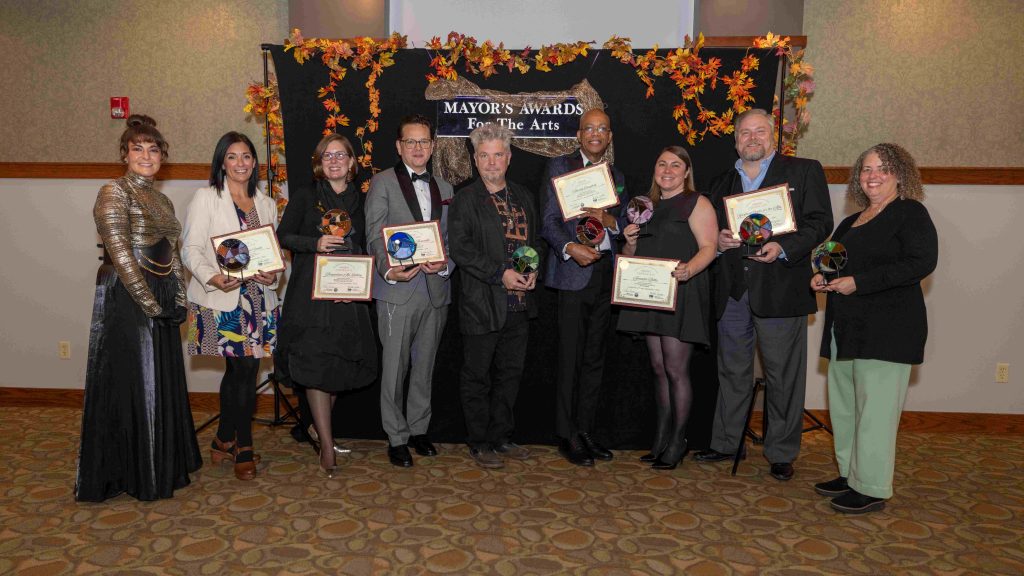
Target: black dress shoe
x=400, y=456
x=421, y=444
x=574, y=452
x=854, y=502
x=832, y=488
x=597, y=452
x=711, y=456
x=782, y=471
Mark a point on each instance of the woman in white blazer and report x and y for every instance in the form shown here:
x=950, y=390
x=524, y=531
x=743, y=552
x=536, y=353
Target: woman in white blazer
x=229, y=317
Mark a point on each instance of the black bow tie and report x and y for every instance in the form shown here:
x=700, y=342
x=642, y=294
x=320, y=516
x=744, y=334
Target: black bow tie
x=425, y=177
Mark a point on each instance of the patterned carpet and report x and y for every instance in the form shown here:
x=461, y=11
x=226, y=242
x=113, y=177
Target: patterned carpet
x=958, y=509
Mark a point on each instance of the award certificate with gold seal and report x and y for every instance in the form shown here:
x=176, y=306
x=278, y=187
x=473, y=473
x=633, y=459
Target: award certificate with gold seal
x=421, y=243
x=644, y=282
x=264, y=251
x=590, y=187
x=773, y=202
x=343, y=277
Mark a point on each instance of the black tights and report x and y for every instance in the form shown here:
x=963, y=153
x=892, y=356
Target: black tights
x=321, y=404
x=238, y=402
x=673, y=393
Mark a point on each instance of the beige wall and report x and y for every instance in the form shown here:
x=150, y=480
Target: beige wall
x=945, y=78
x=184, y=62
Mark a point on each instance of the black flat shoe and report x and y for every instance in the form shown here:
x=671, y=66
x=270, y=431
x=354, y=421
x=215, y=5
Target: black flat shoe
x=832, y=488
x=575, y=453
x=400, y=456
x=597, y=452
x=422, y=445
x=854, y=502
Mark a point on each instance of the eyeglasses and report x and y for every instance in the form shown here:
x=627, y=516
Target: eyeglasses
x=410, y=143
x=339, y=156
x=598, y=129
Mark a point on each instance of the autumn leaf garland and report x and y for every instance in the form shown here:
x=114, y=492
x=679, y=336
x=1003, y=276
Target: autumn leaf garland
x=691, y=74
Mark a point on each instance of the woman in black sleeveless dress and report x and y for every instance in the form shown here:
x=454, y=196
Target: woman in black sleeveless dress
x=684, y=227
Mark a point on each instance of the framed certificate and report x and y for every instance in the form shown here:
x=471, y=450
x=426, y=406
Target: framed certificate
x=342, y=277
x=645, y=283
x=264, y=252
x=417, y=243
x=774, y=202
x=590, y=187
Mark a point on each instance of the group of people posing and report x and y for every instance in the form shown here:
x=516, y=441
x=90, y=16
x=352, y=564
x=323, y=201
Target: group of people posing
x=137, y=431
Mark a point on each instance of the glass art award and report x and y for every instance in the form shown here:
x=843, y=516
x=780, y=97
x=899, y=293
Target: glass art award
x=336, y=222
x=525, y=260
x=639, y=211
x=590, y=231
x=402, y=246
x=420, y=239
x=233, y=256
x=247, y=250
x=755, y=230
x=827, y=258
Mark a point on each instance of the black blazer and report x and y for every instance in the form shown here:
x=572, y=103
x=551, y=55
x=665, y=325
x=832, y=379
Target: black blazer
x=476, y=238
x=783, y=288
x=885, y=318
x=562, y=274
x=299, y=232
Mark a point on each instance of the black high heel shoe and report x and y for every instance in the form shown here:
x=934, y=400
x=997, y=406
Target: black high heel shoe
x=660, y=439
x=671, y=457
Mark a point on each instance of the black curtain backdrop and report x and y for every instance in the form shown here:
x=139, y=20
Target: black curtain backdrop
x=641, y=127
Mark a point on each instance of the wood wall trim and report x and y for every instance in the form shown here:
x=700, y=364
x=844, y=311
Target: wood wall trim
x=73, y=398
x=948, y=422
x=746, y=41
x=102, y=170
x=999, y=176
x=996, y=175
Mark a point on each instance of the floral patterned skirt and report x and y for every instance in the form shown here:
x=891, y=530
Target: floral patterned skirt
x=248, y=330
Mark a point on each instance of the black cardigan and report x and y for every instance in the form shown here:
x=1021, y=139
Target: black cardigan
x=885, y=318
x=299, y=232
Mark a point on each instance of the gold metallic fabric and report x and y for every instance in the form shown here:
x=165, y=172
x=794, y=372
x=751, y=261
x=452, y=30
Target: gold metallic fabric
x=131, y=213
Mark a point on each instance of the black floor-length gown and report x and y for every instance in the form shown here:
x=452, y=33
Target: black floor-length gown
x=137, y=430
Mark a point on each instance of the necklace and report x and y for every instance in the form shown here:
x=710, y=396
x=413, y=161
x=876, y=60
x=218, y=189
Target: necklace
x=869, y=213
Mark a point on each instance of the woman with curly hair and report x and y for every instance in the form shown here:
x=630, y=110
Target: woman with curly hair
x=137, y=430
x=875, y=323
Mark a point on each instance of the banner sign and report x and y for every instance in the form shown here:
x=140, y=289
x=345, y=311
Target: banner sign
x=528, y=116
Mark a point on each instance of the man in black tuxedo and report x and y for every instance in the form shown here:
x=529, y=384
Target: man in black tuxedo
x=490, y=219
x=583, y=277
x=767, y=295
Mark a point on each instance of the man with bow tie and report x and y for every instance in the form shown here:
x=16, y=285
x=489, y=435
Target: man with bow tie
x=412, y=301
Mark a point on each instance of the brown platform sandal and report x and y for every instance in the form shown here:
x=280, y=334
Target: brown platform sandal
x=245, y=470
x=221, y=451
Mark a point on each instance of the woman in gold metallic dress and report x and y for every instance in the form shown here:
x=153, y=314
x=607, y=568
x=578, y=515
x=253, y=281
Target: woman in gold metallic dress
x=137, y=430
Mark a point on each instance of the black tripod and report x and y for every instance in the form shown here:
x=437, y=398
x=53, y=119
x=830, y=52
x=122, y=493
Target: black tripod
x=758, y=439
x=280, y=399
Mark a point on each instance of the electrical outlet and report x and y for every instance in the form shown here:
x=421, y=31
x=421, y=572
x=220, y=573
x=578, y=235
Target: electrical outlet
x=64, y=349
x=1002, y=372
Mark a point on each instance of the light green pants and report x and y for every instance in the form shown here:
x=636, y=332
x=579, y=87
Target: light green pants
x=865, y=400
